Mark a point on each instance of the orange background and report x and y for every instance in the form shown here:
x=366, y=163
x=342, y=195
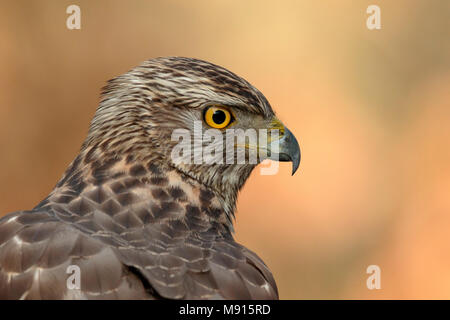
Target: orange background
x=371, y=110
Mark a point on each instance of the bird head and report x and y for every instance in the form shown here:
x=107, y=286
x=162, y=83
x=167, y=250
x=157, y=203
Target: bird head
x=190, y=116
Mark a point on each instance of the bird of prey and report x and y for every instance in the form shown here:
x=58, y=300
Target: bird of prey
x=134, y=222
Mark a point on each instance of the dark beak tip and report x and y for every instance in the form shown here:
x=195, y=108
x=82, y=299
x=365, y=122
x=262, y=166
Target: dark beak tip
x=294, y=154
x=295, y=164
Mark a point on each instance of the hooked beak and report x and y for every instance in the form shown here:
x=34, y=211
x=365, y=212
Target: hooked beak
x=290, y=150
x=286, y=148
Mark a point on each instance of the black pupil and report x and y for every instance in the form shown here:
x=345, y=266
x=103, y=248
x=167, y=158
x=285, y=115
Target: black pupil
x=219, y=116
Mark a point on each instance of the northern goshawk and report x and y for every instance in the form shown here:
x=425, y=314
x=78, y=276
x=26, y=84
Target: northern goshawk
x=135, y=222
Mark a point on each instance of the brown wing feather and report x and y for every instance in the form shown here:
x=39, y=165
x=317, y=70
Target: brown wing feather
x=36, y=250
x=195, y=269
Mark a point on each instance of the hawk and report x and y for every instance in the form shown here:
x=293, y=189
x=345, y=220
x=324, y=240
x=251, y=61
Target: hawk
x=136, y=223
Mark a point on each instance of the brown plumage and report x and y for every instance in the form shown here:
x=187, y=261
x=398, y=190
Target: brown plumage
x=136, y=224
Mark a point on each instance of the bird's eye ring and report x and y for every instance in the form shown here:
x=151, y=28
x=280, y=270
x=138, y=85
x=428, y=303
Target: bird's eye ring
x=217, y=117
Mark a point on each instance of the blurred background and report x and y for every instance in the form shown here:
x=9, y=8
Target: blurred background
x=371, y=110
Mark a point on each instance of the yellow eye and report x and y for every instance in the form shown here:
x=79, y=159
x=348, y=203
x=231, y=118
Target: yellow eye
x=217, y=117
